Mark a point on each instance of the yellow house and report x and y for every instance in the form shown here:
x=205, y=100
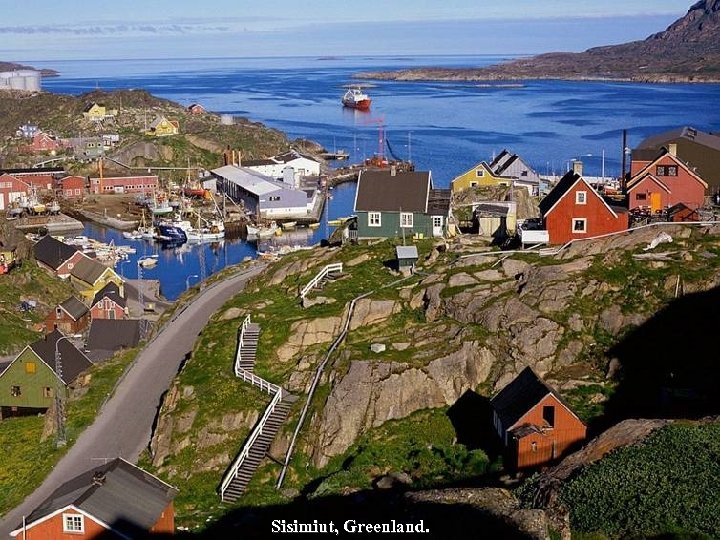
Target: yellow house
x=89, y=276
x=163, y=127
x=95, y=112
x=479, y=175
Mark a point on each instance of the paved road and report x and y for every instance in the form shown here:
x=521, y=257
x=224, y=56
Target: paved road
x=123, y=427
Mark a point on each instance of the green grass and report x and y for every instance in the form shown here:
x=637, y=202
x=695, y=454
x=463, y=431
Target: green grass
x=26, y=461
x=421, y=445
x=667, y=484
x=27, y=282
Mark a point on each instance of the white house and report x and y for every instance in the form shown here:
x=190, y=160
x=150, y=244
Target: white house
x=280, y=166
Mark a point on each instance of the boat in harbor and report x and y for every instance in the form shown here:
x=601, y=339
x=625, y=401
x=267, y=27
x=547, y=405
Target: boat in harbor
x=166, y=231
x=289, y=225
x=149, y=261
x=215, y=230
x=355, y=98
x=267, y=232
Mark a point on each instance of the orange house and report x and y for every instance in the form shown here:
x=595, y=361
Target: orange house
x=116, y=500
x=535, y=424
x=574, y=210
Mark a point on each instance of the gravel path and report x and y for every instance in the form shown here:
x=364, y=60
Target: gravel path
x=124, y=425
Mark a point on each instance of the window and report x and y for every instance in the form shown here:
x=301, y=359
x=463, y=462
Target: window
x=579, y=225
x=533, y=446
x=374, y=219
x=406, y=220
x=437, y=221
x=473, y=184
x=58, y=313
x=48, y=392
x=641, y=196
x=666, y=170
x=73, y=523
x=549, y=415
x=30, y=367
x=15, y=391
x=672, y=170
x=524, y=173
x=479, y=172
x=274, y=198
x=580, y=197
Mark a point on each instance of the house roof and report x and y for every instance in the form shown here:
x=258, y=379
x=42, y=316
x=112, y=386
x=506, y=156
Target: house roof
x=89, y=106
x=74, y=307
x=118, y=494
x=439, y=202
x=519, y=396
x=679, y=162
x=565, y=184
x=4, y=365
x=501, y=168
x=258, y=162
x=500, y=157
x=490, y=209
x=88, y=270
x=250, y=180
x=635, y=182
x=113, y=334
x=711, y=140
x=112, y=291
x=406, y=252
x=381, y=191
x=52, y=251
x=73, y=361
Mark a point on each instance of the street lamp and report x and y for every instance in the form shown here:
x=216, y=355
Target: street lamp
x=60, y=439
x=187, y=280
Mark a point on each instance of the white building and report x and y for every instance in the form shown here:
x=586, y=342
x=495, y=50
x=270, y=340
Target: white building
x=279, y=167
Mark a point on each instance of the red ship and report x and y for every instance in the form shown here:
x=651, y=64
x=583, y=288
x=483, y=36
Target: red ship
x=356, y=99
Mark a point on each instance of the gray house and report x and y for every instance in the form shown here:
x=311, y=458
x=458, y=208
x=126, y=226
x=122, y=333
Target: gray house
x=512, y=165
x=390, y=204
x=264, y=196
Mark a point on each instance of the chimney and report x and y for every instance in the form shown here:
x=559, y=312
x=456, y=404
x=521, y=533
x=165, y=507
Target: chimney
x=393, y=170
x=577, y=167
x=672, y=149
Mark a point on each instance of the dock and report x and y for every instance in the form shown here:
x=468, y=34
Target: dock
x=53, y=224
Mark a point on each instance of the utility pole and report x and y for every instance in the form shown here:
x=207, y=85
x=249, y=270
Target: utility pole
x=60, y=439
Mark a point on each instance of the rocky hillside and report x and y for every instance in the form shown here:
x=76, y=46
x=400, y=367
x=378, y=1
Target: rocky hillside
x=12, y=66
x=600, y=321
x=687, y=51
x=202, y=137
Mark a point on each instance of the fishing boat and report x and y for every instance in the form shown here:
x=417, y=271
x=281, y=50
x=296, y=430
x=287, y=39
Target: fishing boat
x=267, y=232
x=168, y=232
x=211, y=233
x=356, y=99
x=132, y=235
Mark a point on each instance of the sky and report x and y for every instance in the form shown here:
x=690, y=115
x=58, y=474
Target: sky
x=71, y=29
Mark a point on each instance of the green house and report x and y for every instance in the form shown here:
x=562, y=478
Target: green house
x=393, y=204
x=28, y=383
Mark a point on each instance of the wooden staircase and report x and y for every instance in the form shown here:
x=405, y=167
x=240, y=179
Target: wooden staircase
x=261, y=437
x=328, y=273
x=257, y=451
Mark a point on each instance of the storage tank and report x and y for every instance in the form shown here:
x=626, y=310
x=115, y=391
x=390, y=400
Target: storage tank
x=31, y=79
x=5, y=77
x=227, y=119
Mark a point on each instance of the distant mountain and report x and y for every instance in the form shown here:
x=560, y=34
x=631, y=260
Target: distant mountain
x=11, y=66
x=688, y=50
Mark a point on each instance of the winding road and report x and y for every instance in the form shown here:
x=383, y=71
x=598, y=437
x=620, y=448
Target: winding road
x=124, y=426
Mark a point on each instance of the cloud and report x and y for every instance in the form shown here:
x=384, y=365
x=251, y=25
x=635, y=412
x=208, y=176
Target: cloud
x=117, y=29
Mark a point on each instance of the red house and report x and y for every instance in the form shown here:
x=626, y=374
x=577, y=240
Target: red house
x=70, y=317
x=535, y=424
x=574, y=210
x=123, y=184
x=196, y=108
x=12, y=189
x=664, y=182
x=115, y=500
x=72, y=187
x=44, y=142
x=108, y=303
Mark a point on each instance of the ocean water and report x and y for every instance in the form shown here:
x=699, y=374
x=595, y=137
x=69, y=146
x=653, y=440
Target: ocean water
x=445, y=127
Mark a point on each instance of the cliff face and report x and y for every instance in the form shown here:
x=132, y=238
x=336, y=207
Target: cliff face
x=688, y=50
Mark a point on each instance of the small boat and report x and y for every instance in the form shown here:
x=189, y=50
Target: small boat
x=148, y=262
x=215, y=231
x=167, y=232
x=54, y=208
x=314, y=226
x=267, y=232
x=252, y=231
x=289, y=225
x=132, y=235
x=335, y=222
x=356, y=99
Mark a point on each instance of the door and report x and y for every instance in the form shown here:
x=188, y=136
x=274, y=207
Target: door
x=437, y=225
x=655, y=202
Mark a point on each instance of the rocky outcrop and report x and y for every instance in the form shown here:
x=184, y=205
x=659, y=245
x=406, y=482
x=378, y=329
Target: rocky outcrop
x=304, y=334
x=368, y=312
x=372, y=393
